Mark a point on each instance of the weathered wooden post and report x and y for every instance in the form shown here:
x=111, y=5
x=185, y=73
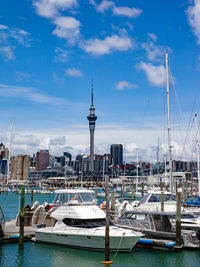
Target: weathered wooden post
x=142, y=189
x=178, y=221
x=176, y=188
x=162, y=200
x=31, y=197
x=107, y=245
x=161, y=186
x=21, y=219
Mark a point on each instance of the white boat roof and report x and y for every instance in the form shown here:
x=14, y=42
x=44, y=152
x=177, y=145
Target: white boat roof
x=159, y=192
x=73, y=191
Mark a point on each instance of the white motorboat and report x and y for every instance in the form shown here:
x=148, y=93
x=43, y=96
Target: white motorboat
x=80, y=223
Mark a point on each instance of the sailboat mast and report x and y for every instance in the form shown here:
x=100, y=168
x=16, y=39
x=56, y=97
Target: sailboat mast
x=197, y=148
x=169, y=125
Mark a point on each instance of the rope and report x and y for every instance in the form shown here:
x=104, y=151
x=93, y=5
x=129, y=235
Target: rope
x=117, y=248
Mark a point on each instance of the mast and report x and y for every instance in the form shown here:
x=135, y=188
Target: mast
x=197, y=149
x=169, y=126
x=9, y=152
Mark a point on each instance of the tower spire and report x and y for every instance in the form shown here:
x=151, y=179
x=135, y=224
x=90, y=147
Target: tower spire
x=92, y=89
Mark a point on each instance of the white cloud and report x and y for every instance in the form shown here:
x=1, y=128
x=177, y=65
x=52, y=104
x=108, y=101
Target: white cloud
x=67, y=28
x=51, y=8
x=127, y=11
x=28, y=93
x=105, y=5
x=152, y=36
x=61, y=54
x=7, y=52
x=155, y=74
x=3, y=27
x=153, y=52
x=116, y=10
x=7, y=36
x=193, y=13
x=122, y=85
x=108, y=45
x=73, y=72
x=75, y=139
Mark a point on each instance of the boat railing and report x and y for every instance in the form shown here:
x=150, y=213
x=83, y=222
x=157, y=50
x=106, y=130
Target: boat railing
x=2, y=221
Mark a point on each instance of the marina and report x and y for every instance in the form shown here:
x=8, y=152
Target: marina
x=145, y=251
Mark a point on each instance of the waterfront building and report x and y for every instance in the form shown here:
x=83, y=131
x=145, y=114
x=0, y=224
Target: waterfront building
x=92, y=118
x=116, y=152
x=20, y=167
x=42, y=160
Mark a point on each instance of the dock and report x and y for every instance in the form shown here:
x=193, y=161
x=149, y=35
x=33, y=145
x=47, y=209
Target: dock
x=11, y=232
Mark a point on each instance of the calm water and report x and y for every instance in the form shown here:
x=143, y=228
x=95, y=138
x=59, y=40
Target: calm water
x=47, y=255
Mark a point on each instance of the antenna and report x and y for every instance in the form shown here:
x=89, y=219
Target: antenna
x=92, y=89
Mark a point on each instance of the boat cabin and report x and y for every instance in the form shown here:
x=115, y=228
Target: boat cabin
x=74, y=197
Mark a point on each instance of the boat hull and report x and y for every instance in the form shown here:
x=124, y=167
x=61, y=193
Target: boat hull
x=88, y=241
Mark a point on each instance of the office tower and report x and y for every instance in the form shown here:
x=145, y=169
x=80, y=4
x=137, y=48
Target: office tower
x=20, y=167
x=92, y=118
x=42, y=160
x=116, y=152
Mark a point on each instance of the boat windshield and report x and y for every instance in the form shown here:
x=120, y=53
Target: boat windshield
x=133, y=216
x=144, y=199
x=74, y=198
x=157, y=198
x=85, y=223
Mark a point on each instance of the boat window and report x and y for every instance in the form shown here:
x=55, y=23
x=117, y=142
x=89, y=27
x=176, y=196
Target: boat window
x=169, y=197
x=154, y=198
x=140, y=217
x=128, y=216
x=87, y=197
x=86, y=223
x=74, y=198
x=144, y=199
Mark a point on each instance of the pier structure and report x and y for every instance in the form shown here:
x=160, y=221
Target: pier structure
x=92, y=118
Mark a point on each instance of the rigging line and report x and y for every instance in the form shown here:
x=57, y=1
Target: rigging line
x=191, y=114
x=174, y=95
x=176, y=118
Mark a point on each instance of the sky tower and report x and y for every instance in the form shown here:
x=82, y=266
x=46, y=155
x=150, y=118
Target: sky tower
x=92, y=118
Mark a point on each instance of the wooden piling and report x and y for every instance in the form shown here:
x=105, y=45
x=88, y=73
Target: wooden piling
x=21, y=217
x=176, y=188
x=162, y=200
x=178, y=221
x=142, y=189
x=107, y=245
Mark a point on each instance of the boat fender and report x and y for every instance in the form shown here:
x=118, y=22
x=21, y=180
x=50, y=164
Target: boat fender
x=145, y=241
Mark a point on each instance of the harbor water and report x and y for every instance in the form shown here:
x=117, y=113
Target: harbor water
x=48, y=255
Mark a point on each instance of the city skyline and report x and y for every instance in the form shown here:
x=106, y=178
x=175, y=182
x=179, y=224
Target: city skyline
x=50, y=51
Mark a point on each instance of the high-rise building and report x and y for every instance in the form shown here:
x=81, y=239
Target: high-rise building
x=42, y=160
x=92, y=118
x=116, y=152
x=4, y=152
x=20, y=167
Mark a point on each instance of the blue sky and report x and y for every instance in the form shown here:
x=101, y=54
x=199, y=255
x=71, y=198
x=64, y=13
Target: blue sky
x=50, y=50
